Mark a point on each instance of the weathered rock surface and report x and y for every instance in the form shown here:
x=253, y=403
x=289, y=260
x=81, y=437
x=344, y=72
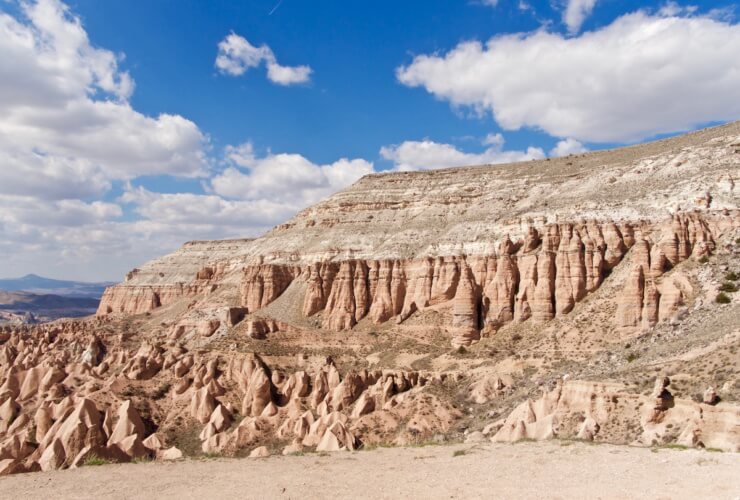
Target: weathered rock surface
x=380, y=249
x=581, y=410
x=332, y=331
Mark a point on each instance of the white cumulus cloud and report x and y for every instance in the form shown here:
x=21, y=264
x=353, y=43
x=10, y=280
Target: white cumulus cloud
x=428, y=155
x=64, y=108
x=236, y=55
x=576, y=11
x=567, y=147
x=290, y=179
x=642, y=75
x=67, y=134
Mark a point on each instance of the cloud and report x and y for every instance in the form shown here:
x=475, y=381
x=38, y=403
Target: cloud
x=68, y=134
x=567, y=147
x=186, y=209
x=290, y=179
x=429, y=155
x=236, y=55
x=493, y=140
x=64, y=109
x=25, y=211
x=642, y=75
x=576, y=11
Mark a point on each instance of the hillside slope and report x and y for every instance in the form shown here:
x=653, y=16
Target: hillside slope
x=590, y=297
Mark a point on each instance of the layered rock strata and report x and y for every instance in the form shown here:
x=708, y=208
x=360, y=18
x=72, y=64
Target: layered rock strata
x=538, y=276
x=536, y=237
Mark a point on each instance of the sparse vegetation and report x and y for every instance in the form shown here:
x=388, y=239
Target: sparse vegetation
x=93, y=460
x=704, y=260
x=459, y=453
x=728, y=287
x=632, y=357
x=161, y=391
x=675, y=446
x=732, y=276
x=707, y=461
x=722, y=298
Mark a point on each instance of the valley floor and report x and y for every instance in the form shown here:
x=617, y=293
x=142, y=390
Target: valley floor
x=553, y=469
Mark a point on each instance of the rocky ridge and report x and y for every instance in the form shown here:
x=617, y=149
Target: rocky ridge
x=566, y=287
x=519, y=242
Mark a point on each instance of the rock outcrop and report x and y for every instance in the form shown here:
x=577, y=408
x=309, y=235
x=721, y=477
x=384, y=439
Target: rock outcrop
x=537, y=238
x=581, y=410
x=332, y=331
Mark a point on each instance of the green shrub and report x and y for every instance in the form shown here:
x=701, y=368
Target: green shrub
x=631, y=357
x=728, y=287
x=675, y=446
x=95, y=460
x=704, y=260
x=722, y=298
x=732, y=276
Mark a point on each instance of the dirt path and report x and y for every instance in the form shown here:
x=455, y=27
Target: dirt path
x=525, y=470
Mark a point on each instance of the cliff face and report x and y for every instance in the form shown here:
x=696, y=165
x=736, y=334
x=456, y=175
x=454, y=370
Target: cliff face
x=579, y=277
x=491, y=245
x=538, y=276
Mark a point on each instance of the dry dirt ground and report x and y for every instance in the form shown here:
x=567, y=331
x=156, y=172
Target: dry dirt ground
x=553, y=469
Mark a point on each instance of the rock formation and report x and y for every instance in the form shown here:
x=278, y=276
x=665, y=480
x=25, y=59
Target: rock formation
x=580, y=410
x=332, y=331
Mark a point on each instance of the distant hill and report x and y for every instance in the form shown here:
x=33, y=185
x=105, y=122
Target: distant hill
x=25, y=307
x=33, y=299
x=33, y=302
x=39, y=285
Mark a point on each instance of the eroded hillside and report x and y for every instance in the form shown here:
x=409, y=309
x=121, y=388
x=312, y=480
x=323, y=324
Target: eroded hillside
x=535, y=300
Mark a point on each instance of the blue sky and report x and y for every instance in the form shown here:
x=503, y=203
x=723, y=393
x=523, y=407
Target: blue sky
x=138, y=139
x=353, y=104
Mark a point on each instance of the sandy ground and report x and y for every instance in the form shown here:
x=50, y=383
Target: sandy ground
x=524, y=470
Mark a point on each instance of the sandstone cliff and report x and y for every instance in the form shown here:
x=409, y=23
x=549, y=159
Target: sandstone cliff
x=494, y=244
x=565, y=286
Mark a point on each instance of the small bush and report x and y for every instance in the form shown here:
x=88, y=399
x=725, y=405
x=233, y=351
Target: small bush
x=722, y=298
x=675, y=446
x=728, y=287
x=128, y=392
x=161, y=391
x=95, y=460
x=704, y=260
x=732, y=276
x=459, y=453
x=631, y=357
x=461, y=350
